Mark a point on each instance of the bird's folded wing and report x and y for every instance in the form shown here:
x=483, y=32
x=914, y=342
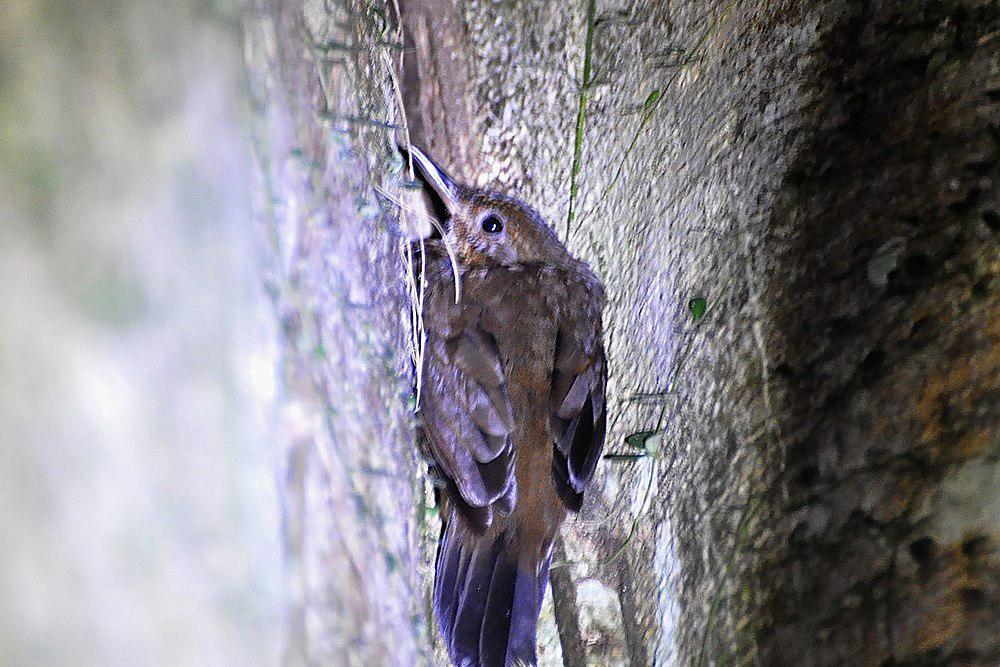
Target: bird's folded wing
x=467, y=418
x=576, y=408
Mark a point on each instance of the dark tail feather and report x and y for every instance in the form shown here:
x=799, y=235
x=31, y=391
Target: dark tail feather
x=486, y=599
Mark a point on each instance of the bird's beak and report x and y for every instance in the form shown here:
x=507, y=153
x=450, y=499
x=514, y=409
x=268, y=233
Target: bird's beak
x=441, y=190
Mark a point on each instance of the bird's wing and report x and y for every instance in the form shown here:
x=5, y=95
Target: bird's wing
x=468, y=421
x=576, y=405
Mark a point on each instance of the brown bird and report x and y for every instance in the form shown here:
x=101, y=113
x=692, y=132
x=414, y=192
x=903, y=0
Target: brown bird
x=512, y=407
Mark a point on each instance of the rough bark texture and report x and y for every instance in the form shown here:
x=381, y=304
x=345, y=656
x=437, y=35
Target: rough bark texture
x=350, y=477
x=886, y=345
x=821, y=486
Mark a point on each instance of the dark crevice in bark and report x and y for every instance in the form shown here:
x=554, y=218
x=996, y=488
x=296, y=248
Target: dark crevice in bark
x=435, y=83
x=888, y=340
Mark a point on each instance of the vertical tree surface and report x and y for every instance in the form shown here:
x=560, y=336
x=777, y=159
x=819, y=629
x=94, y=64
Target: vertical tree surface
x=795, y=212
x=349, y=468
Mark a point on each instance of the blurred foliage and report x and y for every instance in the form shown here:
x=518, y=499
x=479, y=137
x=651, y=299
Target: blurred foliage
x=136, y=366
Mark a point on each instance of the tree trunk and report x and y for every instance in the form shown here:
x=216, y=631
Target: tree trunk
x=794, y=210
x=351, y=484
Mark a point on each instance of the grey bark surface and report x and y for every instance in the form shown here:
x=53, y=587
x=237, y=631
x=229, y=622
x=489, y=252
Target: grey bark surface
x=821, y=482
x=349, y=472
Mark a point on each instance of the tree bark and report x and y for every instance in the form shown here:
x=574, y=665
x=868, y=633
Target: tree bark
x=349, y=472
x=795, y=212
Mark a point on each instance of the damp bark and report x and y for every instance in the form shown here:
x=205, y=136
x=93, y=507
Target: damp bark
x=805, y=471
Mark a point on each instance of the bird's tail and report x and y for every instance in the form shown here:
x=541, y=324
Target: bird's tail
x=488, y=591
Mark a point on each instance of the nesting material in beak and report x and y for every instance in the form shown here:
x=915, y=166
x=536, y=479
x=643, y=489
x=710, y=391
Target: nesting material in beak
x=434, y=197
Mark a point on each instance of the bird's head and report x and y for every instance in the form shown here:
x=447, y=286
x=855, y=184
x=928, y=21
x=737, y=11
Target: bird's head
x=484, y=228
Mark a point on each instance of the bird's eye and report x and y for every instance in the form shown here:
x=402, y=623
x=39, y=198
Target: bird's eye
x=492, y=225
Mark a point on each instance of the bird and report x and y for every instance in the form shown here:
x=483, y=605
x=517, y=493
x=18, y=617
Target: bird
x=512, y=408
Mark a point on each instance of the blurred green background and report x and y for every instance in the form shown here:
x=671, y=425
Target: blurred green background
x=138, y=520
